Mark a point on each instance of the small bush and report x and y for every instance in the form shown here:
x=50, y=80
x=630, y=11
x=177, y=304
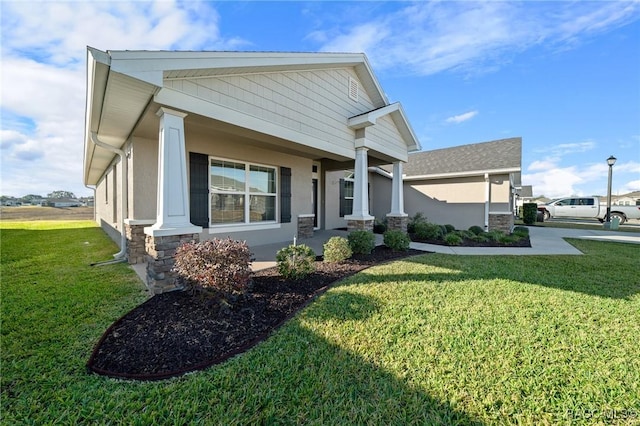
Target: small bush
x=481, y=238
x=396, y=240
x=449, y=228
x=453, y=239
x=362, y=242
x=464, y=234
x=476, y=229
x=295, y=261
x=380, y=227
x=414, y=220
x=521, y=231
x=219, y=266
x=529, y=213
x=337, y=249
x=428, y=231
x=495, y=235
x=508, y=239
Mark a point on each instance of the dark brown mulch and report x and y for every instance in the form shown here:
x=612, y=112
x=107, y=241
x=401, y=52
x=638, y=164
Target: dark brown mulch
x=178, y=332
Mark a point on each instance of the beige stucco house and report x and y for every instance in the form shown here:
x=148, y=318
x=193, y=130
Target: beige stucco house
x=467, y=185
x=197, y=145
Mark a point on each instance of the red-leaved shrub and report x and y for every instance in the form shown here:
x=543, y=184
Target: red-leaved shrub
x=220, y=266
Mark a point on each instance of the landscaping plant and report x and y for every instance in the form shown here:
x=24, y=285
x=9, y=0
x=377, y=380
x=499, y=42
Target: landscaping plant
x=362, y=242
x=295, y=261
x=337, y=249
x=529, y=213
x=220, y=266
x=396, y=240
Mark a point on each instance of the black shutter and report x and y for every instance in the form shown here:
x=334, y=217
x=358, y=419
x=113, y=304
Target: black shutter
x=285, y=194
x=342, y=200
x=199, y=189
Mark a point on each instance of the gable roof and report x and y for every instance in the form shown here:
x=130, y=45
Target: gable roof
x=121, y=85
x=504, y=155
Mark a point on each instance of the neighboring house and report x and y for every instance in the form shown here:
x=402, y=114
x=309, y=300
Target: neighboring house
x=466, y=185
x=524, y=195
x=630, y=199
x=62, y=202
x=195, y=145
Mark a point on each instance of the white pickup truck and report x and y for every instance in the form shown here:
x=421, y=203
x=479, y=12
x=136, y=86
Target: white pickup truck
x=587, y=208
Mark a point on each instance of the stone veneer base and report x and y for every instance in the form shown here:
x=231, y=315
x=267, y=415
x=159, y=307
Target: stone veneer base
x=501, y=221
x=160, y=251
x=305, y=226
x=360, y=225
x=397, y=222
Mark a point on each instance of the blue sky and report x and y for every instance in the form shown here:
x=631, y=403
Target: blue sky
x=564, y=76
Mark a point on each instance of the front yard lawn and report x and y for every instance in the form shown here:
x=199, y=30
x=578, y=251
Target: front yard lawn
x=433, y=339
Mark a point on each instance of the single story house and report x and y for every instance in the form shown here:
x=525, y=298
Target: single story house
x=62, y=202
x=467, y=185
x=187, y=146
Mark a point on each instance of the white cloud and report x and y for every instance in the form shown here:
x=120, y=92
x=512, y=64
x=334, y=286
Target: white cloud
x=568, y=148
x=429, y=37
x=462, y=117
x=43, y=76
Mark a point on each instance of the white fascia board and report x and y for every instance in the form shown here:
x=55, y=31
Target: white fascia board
x=97, y=76
x=462, y=174
x=377, y=85
x=370, y=118
x=184, y=102
x=406, y=130
x=150, y=66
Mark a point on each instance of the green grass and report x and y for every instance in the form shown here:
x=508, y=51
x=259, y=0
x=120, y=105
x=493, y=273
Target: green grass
x=435, y=339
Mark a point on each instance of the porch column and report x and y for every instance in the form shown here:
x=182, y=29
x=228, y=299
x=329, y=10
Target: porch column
x=397, y=218
x=173, y=225
x=360, y=217
x=487, y=200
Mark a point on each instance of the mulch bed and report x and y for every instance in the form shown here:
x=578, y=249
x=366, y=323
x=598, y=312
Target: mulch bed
x=523, y=242
x=178, y=332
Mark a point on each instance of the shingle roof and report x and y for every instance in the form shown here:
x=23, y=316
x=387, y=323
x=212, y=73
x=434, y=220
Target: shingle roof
x=481, y=157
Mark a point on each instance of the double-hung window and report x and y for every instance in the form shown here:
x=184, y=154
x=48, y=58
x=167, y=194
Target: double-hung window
x=241, y=193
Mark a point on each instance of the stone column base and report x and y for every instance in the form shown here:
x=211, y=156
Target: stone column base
x=305, y=225
x=160, y=260
x=360, y=225
x=501, y=221
x=397, y=222
x=136, y=252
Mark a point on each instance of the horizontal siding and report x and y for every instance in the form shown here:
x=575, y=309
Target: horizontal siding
x=386, y=138
x=311, y=102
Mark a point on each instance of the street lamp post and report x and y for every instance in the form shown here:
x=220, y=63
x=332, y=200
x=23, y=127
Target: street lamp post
x=610, y=161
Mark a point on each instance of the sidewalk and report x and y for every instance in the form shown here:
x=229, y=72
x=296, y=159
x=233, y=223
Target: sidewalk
x=544, y=241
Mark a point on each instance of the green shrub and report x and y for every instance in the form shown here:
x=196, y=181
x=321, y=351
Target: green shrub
x=380, y=227
x=220, y=266
x=362, y=242
x=464, y=234
x=295, y=261
x=495, y=235
x=337, y=249
x=529, y=213
x=414, y=220
x=481, y=238
x=508, y=239
x=396, y=240
x=449, y=228
x=476, y=229
x=521, y=231
x=428, y=231
x=453, y=239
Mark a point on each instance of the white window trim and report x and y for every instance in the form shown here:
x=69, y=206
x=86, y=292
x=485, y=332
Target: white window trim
x=215, y=228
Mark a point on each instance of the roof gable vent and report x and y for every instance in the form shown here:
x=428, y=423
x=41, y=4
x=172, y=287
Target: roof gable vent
x=354, y=88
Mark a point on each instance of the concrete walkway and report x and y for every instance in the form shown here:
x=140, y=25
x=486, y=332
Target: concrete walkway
x=544, y=241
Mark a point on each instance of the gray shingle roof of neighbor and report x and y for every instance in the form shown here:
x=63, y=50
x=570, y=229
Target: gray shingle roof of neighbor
x=484, y=156
x=526, y=191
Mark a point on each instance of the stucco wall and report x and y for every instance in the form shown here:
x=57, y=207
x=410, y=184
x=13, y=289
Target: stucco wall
x=301, y=171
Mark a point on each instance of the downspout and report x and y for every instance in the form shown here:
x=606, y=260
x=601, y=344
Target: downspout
x=122, y=254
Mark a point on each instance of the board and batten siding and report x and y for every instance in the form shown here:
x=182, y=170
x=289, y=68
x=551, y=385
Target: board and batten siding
x=315, y=103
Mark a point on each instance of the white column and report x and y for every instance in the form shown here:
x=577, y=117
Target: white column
x=361, y=187
x=487, y=198
x=173, y=216
x=397, y=191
